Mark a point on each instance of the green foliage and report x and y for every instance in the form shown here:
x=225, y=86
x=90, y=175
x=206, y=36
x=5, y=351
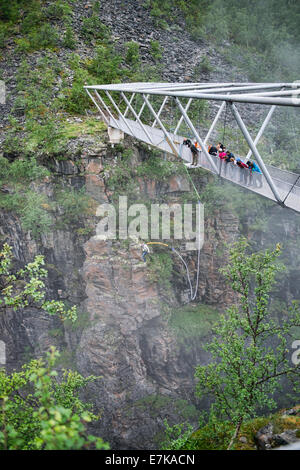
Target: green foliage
x=69, y=40
x=156, y=50
x=45, y=137
x=44, y=37
x=87, y=126
x=26, y=287
x=38, y=32
x=249, y=348
x=176, y=437
x=40, y=412
x=160, y=268
x=93, y=28
x=120, y=178
x=32, y=19
x=204, y=66
x=32, y=206
x=215, y=435
x=34, y=217
x=155, y=167
x=4, y=32
x=58, y=10
x=34, y=89
x=105, y=66
x=192, y=322
x=9, y=9
x=74, y=205
x=75, y=100
x=132, y=56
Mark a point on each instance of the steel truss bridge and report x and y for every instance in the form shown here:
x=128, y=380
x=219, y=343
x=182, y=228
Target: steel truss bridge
x=142, y=110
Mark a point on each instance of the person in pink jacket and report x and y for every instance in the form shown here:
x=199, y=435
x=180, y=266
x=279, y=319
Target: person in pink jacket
x=223, y=154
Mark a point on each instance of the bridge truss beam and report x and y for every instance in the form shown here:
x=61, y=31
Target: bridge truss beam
x=140, y=101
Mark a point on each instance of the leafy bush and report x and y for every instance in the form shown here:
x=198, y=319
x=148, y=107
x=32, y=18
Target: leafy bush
x=34, y=214
x=40, y=412
x=156, y=50
x=74, y=204
x=132, y=56
x=9, y=10
x=93, y=28
x=176, y=437
x=75, y=99
x=69, y=40
x=58, y=10
x=155, y=167
x=160, y=269
x=3, y=34
x=45, y=137
x=106, y=65
x=44, y=37
x=32, y=20
x=25, y=170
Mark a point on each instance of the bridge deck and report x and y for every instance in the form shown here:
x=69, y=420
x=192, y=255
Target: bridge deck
x=287, y=183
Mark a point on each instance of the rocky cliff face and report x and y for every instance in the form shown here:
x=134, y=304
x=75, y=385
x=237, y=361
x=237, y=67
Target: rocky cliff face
x=124, y=334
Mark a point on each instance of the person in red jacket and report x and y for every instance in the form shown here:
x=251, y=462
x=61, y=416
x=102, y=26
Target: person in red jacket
x=244, y=171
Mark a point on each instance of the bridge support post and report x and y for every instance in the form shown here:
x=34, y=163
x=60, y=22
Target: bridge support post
x=98, y=107
x=196, y=135
x=262, y=129
x=181, y=118
x=160, y=110
x=131, y=132
x=167, y=136
x=221, y=108
x=130, y=101
x=137, y=118
x=106, y=108
x=255, y=152
x=142, y=108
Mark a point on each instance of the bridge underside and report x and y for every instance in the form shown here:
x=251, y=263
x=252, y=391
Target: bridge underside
x=116, y=102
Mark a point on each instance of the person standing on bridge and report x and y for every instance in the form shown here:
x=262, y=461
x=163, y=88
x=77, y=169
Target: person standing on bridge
x=194, y=151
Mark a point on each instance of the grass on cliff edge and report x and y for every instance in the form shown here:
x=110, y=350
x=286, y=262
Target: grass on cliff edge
x=193, y=321
x=207, y=438
x=86, y=126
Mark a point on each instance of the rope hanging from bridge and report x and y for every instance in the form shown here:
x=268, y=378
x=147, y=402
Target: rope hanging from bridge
x=193, y=292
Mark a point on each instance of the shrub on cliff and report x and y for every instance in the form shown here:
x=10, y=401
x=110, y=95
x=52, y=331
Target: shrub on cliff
x=249, y=349
x=25, y=287
x=40, y=412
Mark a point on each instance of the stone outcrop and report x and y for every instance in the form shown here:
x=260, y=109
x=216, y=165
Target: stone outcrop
x=124, y=336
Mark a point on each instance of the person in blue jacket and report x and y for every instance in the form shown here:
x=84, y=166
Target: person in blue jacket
x=256, y=173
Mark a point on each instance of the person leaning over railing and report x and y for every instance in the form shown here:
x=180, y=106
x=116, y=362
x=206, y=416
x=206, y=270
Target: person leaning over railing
x=255, y=174
x=212, y=150
x=243, y=171
x=229, y=158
